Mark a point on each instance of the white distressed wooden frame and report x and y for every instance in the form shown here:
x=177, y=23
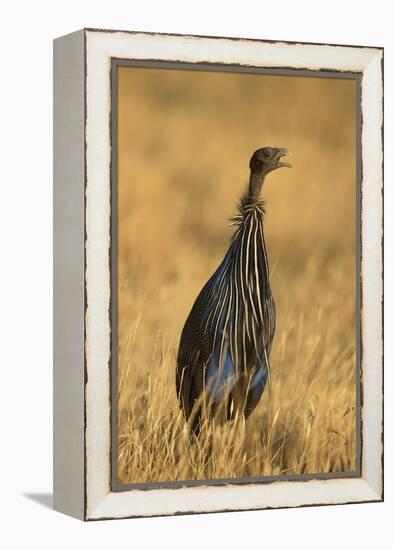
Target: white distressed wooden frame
x=82, y=442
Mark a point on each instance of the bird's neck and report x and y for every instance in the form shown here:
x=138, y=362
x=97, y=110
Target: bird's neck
x=257, y=178
x=251, y=202
x=249, y=205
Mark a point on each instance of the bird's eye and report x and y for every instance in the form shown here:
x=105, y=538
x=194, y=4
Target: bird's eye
x=266, y=155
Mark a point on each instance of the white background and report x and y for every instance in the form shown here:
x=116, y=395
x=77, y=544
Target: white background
x=26, y=273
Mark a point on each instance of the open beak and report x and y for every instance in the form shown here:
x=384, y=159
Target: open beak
x=282, y=153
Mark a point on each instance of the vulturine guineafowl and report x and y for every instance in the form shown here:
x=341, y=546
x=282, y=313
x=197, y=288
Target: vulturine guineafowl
x=223, y=357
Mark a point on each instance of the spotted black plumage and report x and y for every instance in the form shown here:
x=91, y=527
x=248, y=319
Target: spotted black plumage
x=223, y=357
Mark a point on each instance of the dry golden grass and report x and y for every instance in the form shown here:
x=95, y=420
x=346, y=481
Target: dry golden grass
x=185, y=139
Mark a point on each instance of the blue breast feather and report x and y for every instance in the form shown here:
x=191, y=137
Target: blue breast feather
x=222, y=379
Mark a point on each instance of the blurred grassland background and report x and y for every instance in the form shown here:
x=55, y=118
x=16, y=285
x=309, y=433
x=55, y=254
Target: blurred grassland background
x=184, y=143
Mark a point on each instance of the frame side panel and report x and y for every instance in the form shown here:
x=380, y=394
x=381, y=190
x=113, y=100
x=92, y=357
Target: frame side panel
x=68, y=254
x=372, y=273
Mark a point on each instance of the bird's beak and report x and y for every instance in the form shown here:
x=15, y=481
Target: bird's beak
x=281, y=153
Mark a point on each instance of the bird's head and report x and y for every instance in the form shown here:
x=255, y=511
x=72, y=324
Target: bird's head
x=266, y=159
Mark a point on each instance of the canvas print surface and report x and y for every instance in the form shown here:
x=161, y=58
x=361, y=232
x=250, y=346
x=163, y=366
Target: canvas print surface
x=236, y=276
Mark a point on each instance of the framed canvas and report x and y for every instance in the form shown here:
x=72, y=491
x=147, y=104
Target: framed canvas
x=200, y=365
